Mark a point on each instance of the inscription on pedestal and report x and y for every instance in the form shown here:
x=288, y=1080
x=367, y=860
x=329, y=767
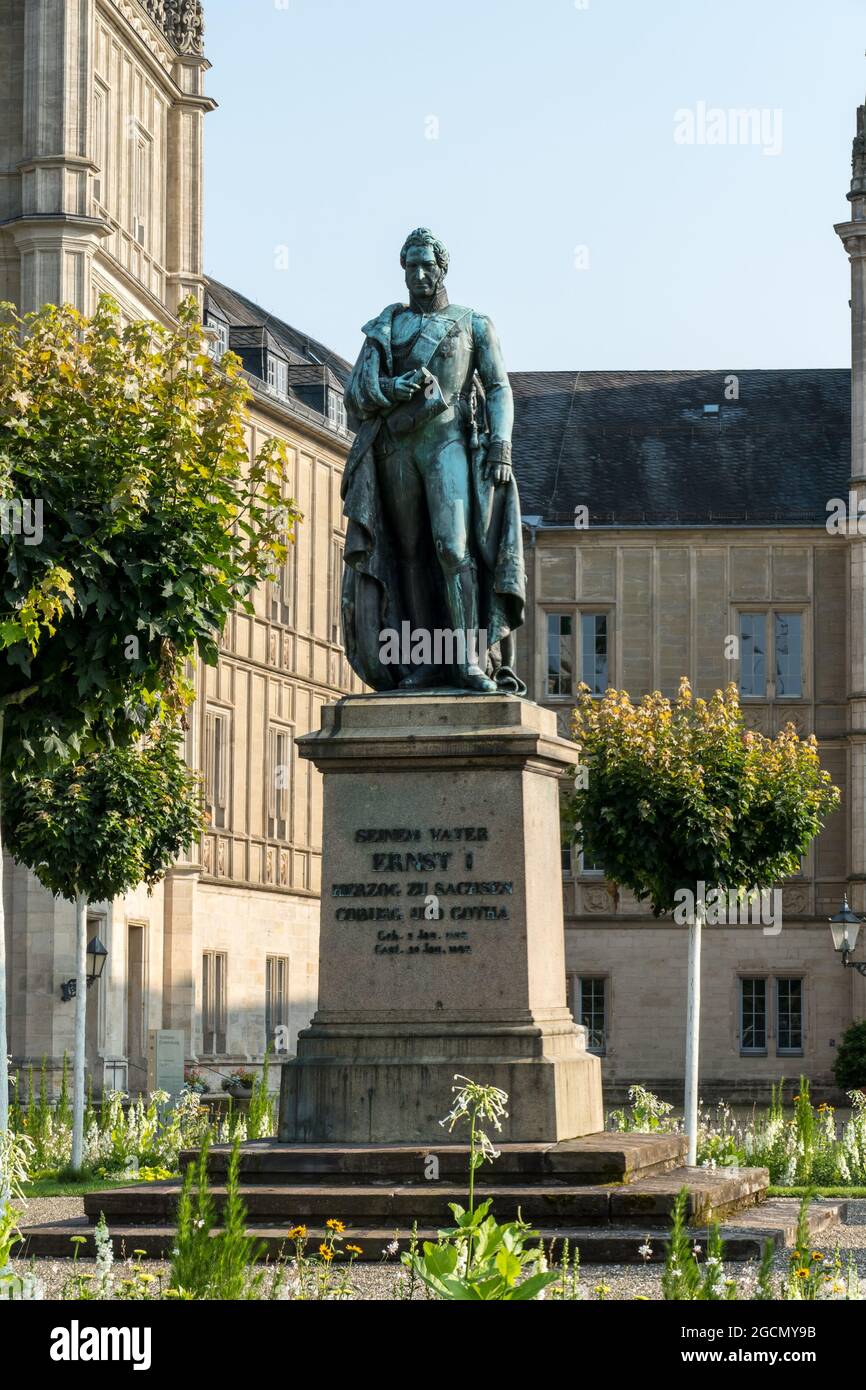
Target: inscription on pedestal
x=450, y=858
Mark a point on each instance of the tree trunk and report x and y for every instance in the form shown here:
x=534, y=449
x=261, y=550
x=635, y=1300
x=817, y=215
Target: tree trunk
x=79, y=1058
x=4, y=1041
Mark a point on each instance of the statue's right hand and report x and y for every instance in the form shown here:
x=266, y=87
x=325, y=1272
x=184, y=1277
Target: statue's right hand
x=405, y=386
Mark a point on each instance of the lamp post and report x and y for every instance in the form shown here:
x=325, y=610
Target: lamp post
x=845, y=927
x=96, y=958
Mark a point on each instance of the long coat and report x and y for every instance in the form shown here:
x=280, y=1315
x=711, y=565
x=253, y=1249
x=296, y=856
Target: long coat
x=372, y=598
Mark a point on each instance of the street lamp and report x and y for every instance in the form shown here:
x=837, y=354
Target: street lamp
x=845, y=927
x=96, y=958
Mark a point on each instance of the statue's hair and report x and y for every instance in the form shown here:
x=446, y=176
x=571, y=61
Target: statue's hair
x=422, y=236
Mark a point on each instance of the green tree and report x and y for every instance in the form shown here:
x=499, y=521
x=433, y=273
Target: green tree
x=685, y=807
x=679, y=792
x=134, y=521
x=92, y=830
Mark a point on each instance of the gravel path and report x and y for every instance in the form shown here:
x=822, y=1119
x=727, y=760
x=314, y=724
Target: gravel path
x=377, y=1282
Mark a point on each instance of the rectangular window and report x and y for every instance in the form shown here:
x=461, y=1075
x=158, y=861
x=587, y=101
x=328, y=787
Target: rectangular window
x=585, y=865
x=753, y=1016
x=278, y=374
x=142, y=179
x=213, y=1002
x=787, y=629
x=771, y=655
x=276, y=999
x=281, y=593
x=100, y=143
x=789, y=1016
x=279, y=778
x=337, y=411
x=219, y=343
x=753, y=669
x=593, y=639
x=336, y=588
x=566, y=859
x=217, y=734
x=560, y=654
x=591, y=1011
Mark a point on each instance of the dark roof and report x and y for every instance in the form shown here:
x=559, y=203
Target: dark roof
x=638, y=449
x=298, y=347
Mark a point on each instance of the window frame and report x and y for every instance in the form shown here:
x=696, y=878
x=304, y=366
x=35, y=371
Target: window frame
x=577, y=981
x=283, y=996
x=218, y=774
x=770, y=612
x=800, y=980
x=279, y=802
x=214, y=1003
x=280, y=383
x=742, y=980
x=576, y=612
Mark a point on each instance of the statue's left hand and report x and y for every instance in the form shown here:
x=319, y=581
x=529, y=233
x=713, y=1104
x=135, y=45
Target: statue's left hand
x=498, y=461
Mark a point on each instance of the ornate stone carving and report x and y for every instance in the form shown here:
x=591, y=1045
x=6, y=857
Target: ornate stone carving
x=858, y=157
x=795, y=902
x=181, y=21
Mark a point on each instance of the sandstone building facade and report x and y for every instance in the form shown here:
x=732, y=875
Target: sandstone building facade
x=103, y=108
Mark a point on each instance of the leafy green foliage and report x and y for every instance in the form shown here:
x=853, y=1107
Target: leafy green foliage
x=681, y=792
x=479, y=1260
x=101, y=826
x=685, y=1278
x=849, y=1067
x=209, y=1264
x=155, y=521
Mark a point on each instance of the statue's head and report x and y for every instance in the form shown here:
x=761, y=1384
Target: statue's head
x=425, y=261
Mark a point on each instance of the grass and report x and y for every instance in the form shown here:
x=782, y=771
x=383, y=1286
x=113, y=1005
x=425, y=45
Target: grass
x=55, y=1187
x=816, y=1191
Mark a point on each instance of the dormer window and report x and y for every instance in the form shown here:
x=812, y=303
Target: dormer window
x=278, y=374
x=337, y=411
x=218, y=333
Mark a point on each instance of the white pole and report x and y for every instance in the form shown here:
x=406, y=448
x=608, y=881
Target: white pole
x=693, y=1035
x=78, y=1069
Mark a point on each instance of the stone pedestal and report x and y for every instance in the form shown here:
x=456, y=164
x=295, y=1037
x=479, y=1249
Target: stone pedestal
x=441, y=947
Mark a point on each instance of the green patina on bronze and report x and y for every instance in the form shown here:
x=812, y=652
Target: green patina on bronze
x=433, y=516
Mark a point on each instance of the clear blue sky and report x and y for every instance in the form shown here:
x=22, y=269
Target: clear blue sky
x=556, y=126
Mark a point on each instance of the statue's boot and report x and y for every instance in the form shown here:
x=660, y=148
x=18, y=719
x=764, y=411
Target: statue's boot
x=416, y=581
x=461, y=587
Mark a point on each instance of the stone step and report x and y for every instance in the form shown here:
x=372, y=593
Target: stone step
x=744, y=1237
x=597, y=1158
x=649, y=1201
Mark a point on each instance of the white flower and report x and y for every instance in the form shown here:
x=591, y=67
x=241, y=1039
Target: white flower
x=645, y=1250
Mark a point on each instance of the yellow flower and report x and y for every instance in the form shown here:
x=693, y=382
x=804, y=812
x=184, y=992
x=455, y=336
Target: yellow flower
x=802, y=1274
x=354, y=1249
x=326, y=1253
x=336, y=1226
x=298, y=1233
x=816, y=1255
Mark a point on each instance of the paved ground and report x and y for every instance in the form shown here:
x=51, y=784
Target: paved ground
x=379, y=1281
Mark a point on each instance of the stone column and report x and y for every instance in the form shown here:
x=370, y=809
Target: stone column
x=441, y=947
x=184, y=194
x=853, y=236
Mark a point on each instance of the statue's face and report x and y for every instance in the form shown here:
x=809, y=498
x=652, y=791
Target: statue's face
x=423, y=272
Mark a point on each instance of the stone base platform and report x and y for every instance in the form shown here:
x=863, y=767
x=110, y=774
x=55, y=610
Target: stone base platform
x=744, y=1236
x=598, y=1192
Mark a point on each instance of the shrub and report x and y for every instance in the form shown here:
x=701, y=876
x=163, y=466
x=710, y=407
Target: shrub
x=849, y=1068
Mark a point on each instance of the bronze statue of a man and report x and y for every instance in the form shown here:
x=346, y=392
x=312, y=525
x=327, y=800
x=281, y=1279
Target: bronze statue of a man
x=433, y=541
